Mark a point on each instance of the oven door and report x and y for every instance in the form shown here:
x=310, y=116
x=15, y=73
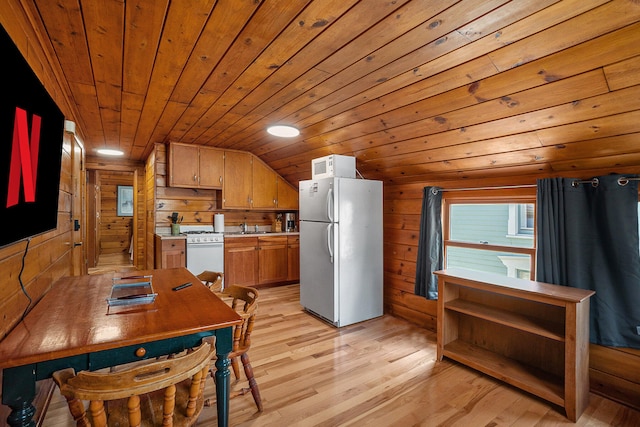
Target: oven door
x=205, y=256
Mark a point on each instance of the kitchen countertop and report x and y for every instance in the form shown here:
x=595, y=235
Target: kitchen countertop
x=230, y=234
x=169, y=236
x=260, y=233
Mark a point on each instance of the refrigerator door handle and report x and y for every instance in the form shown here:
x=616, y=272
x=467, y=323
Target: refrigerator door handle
x=329, y=242
x=330, y=204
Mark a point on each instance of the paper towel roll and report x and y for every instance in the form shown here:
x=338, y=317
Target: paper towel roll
x=218, y=223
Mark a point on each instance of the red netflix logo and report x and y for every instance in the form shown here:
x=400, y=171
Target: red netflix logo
x=24, y=158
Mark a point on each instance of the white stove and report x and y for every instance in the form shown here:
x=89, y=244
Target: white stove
x=201, y=234
x=205, y=248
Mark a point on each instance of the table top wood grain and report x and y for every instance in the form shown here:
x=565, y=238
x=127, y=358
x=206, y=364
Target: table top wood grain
x=74, y=317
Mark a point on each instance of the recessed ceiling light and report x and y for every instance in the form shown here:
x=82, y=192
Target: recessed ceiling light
x=110, y=152
x=283, y=131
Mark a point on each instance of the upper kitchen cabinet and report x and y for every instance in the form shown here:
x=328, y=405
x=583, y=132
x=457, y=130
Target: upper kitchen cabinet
x=265, y=189
x=193, y=166
x=245, y=180
x=237, y=190
x=249, y=183
x=287, y=195
x=270, y=190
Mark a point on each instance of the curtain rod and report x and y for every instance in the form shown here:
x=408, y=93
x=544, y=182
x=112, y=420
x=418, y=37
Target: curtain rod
x=435, y=190
x=622, y=181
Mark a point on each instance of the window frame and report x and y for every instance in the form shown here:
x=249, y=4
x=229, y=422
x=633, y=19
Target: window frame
x=489, y=196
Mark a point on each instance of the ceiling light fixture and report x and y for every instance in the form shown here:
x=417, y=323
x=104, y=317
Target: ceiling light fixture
x=110, y=152
x=283, y=131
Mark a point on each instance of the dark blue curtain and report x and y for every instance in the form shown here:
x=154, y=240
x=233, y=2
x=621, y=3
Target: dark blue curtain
x=429, y=244
x=588, y=238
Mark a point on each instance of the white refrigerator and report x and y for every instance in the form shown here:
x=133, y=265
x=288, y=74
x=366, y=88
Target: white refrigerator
x=341, y=270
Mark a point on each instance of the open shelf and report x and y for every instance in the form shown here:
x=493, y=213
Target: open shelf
x=549, y=329
x=532, y=335
x=525, y=377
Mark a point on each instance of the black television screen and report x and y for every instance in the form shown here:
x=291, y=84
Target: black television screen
x=31, y=135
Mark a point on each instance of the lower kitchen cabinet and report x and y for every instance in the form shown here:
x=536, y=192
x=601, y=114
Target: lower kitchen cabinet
x=170, y=252
x=272, y=259
x=293, y=258
x=264, y=260
x=241, y=261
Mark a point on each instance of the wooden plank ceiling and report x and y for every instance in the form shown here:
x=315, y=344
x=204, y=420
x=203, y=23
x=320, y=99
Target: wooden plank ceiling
x=415, y=89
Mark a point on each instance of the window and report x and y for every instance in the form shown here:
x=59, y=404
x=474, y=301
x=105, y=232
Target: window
x=492, y=233
x=521, y=219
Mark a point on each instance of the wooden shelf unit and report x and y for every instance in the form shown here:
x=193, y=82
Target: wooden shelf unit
x=532, y=335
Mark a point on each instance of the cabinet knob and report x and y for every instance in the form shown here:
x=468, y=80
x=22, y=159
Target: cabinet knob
x=195, y=177
x=141, y=352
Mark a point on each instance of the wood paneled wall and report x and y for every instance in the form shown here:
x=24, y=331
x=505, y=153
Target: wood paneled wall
x=47, y=258
x=49, y=255
x=149, y=209
x=613, y=371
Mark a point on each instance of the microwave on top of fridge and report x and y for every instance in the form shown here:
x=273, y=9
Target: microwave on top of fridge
x=333, y=166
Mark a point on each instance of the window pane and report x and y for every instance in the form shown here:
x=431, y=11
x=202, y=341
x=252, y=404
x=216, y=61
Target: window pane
x=525, y=221
x=504, y=263
x=505, y=224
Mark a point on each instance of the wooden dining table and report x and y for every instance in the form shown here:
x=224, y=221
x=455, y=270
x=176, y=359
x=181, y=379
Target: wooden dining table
x=74, y=326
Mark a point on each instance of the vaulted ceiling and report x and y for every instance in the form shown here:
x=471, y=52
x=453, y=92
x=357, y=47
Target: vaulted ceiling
x=414, y=89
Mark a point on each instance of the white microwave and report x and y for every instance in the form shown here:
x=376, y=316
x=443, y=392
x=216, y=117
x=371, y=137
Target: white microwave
x=333, y=166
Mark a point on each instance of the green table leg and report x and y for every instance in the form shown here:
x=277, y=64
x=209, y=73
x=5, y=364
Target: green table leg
x=18, y=392
x=224, y=345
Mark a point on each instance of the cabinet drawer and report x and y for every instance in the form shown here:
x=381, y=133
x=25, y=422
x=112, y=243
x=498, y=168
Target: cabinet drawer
x=173, y=244
x=240, y=242
x=272, y=240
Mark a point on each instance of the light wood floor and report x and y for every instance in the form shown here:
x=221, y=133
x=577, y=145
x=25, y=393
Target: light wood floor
x=108, y=263
x=377, y=373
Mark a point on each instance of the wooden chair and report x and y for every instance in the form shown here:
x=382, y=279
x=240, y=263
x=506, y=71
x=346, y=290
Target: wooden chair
x=162, y=392
x=244, y=300
x=212, y=279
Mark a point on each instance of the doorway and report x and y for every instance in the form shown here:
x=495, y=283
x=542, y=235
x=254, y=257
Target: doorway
x=110, y=221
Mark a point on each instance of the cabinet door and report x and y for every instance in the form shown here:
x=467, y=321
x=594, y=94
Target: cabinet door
x=173, y=253
x=237, y=180
x=287, y=195
x=241, y=261
x=293, y=257
x=183, y=165
x=211, y=167
x=272, y=263
x=265, y=190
